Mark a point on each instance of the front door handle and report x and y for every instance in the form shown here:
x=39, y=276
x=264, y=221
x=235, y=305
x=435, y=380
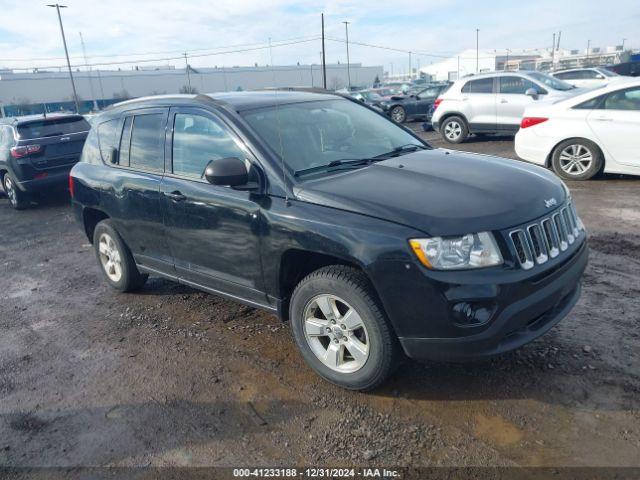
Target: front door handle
x=603, y=119
x=176, y=196
x=504, y=101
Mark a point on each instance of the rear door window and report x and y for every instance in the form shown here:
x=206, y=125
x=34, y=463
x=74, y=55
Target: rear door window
x=146, y=145
x=482, y=85
x=52, y=127
x=624, y=100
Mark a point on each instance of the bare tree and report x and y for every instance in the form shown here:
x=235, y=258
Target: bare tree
x=188, y=89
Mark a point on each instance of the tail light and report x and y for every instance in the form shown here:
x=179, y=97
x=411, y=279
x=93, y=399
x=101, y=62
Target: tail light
x=19, y=152
x=531, y=121
x=436, y=103
x=72, y=186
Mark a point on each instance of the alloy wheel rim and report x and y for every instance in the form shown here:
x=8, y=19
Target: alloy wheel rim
x=10, y=191
x=336, y=333
x=110, y=257
x=397, y=114
x=575, y=159
x=453, y=130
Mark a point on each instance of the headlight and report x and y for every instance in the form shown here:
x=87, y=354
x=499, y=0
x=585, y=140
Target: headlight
x=474, y=250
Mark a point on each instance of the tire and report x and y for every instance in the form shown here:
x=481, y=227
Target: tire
x=398, y=114
x=577, y=159
x=17, y=198
x=115, y=259
x=454, y=130
x=341, y=289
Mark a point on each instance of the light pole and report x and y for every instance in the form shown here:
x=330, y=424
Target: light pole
x=506, y=63
x=346, y=33
x=588, y=48
x=623, y=40
x=477, y=49
x=66, y=52
x=186, y=66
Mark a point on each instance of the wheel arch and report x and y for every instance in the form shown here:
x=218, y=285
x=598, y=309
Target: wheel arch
x=295, y=264
x=90, y=218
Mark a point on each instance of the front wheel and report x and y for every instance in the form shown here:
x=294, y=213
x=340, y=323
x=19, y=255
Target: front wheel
x=576, y=159
x=17, y=198
x=341, y=330
x=454, y=130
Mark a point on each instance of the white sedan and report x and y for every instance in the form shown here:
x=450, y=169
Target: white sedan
x=597, y=131
x=586, y=77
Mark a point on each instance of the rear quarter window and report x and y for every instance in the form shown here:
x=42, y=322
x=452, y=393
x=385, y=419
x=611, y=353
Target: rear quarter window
x=90, y=150
x=52, y=127
x=108, y=138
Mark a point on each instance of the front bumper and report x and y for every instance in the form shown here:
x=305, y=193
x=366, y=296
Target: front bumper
x=518, y=323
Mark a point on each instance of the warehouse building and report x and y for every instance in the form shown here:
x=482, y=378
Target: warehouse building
x=22, y=93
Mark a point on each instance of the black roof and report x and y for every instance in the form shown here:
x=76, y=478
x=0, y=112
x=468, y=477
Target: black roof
x=238, y=101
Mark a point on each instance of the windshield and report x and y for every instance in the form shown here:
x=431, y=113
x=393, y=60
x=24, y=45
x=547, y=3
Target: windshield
x=313, y=134
x=550, y=81
x=608, y=73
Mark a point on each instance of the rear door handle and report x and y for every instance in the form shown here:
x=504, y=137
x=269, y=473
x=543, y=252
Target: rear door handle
x=603, y=119
x=176, y=196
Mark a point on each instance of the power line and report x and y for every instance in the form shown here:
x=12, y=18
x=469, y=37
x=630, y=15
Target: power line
x=164, y=59
x=163, y=52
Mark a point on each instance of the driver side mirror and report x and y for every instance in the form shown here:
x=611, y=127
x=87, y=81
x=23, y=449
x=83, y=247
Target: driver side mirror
x=531, y=92
x=229, y=172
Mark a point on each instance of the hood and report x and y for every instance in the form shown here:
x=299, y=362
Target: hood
x=440, y=192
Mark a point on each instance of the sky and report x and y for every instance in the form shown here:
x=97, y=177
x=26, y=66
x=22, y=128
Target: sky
x=159, y=31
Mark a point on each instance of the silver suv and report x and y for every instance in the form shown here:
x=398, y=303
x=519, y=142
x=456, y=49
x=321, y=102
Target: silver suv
x=493, y=102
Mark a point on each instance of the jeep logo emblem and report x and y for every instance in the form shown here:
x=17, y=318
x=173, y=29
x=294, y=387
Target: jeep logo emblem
x=550, y=203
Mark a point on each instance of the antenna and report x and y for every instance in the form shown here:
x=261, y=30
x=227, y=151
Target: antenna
x=282, y=163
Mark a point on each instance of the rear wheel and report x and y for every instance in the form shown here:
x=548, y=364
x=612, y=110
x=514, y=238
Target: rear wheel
x=577, y=159
x=454, y=130
x=341, y=330
x=115, y=259
x=398, y=114
x=17, y=198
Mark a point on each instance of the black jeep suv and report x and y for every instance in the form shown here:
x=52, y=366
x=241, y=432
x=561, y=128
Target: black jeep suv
x=315, y=207
x=37, y=153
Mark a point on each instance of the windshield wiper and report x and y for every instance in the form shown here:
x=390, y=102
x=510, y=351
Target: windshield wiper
x=335, y=165
x=401, y=150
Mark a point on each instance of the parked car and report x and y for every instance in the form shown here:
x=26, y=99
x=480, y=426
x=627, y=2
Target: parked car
x=37, y=153
x=493, y=103
x=368, y=96
x=586, y=77
x=368, y=241
x=416, y=105
x=591, y=133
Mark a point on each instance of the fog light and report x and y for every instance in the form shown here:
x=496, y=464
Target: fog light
x=471, y=314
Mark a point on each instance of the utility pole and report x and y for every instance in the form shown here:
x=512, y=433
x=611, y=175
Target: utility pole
x=346, y=34
x=410, y=72
x=477, y=49
x=506, y=63
x=558, y=44
x=623, y=40
x=458, y=76
x=66, y=52
x=324, y=61
x=186, y=66
x=553, y=52
x=588, y=48
x=86, y=64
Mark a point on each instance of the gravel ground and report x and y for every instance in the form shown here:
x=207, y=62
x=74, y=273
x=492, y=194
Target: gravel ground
x=170, y=376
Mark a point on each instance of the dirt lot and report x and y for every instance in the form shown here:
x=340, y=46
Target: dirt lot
x=172, y=376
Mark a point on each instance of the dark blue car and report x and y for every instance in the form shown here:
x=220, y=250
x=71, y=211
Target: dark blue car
x=415, y=105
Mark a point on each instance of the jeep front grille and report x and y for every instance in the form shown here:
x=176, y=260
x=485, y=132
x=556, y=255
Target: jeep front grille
x=538, y=242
